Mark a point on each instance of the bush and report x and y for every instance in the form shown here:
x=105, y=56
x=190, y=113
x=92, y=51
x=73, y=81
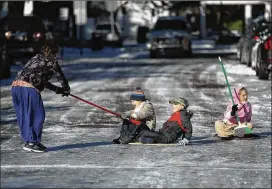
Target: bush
x=235, y=25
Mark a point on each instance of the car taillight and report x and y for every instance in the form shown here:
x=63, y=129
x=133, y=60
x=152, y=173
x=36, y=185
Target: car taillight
x=256, y=37
x=37, y=35
x=268, y=44
x=8, y=34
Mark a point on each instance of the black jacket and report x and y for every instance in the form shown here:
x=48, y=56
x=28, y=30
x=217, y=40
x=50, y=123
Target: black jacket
x=38, y=71
x=177, y=125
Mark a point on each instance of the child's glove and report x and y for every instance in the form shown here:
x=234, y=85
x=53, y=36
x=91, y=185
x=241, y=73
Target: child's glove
x=123, y=116
x=66, y=91
x=234, y=109
x=190, y=113
x=126, y=115
x=183, y=142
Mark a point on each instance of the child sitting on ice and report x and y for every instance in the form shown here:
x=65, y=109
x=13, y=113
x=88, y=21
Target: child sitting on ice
x=178, y=125
x=141, y=117
x=226, y=127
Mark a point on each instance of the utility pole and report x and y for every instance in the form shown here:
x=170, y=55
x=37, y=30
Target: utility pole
x=80, y=30
x=203, y=26
x=80, y=11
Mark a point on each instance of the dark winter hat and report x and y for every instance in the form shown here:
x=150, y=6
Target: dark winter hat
x=180, y=100
x=138, y=95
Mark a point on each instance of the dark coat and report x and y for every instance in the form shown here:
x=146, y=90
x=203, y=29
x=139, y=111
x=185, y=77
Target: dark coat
x=39, y=70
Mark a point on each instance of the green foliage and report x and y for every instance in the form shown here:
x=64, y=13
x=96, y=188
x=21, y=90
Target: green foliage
x=235, y=25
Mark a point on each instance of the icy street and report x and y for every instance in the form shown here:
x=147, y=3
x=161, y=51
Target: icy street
x=79, y=136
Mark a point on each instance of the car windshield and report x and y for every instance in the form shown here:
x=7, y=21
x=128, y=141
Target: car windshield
x=170, y=24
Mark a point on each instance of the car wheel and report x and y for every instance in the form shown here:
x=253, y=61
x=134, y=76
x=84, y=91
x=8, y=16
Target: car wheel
x=5, y=64
x=263, y=74
x=153, y=54
x=238, y=55
x=241, y=57
x=189, y=53
x=120, y=44
x=248, y=62
x=257, y=71
x=260, y=70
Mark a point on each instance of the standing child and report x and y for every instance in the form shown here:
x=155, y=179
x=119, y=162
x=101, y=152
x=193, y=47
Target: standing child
x=225, y=128
x=141, y=117
x=26, y=89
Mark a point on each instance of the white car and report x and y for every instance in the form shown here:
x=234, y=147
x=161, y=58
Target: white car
x=170, y=36
x=254, y=54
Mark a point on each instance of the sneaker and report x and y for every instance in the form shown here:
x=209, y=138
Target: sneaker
x=42, y=146
x=116, y=141
x=240, y=131
x=215, y=135
x=32, y=147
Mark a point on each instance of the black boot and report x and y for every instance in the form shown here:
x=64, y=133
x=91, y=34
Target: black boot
x=116, y=141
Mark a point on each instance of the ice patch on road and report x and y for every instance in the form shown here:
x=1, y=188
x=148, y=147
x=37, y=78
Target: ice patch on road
x=54, y=129
x=221, y=77
x=205, y=97
x=198, y=108
x=267, y=96
x=239, y=69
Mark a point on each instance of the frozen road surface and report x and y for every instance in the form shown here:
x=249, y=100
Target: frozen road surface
x=79, y=136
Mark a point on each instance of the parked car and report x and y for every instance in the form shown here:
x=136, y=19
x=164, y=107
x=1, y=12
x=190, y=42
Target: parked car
x=22, y=35
x=264, y=53
x=259, y=36
x=171, y=35
x=102, y=36
x=247, y=41
x=224, y=36
x=142, y=34
x=4, y=64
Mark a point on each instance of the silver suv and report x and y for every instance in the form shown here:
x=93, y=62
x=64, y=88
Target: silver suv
x=170, y=36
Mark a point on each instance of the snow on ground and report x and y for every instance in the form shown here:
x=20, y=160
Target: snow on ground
x=79, y=136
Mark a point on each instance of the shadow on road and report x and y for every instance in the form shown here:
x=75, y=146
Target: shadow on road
x=81, y=145
x=195, y=141
x=255, y=136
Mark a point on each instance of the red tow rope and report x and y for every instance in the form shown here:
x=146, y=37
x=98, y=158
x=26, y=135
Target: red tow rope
x=102, y=108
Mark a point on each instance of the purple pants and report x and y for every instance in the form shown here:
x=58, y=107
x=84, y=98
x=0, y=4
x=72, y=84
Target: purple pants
x=30, y=112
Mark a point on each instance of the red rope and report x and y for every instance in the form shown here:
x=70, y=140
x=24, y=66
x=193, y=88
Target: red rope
x=102, y=108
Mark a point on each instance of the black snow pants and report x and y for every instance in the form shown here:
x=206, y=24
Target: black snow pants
x=158, y=137
x=129, y=132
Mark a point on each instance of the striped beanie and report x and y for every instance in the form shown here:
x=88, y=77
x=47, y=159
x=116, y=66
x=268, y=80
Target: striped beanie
x=138, y=95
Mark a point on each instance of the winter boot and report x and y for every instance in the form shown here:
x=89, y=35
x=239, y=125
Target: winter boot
x=116, y=141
